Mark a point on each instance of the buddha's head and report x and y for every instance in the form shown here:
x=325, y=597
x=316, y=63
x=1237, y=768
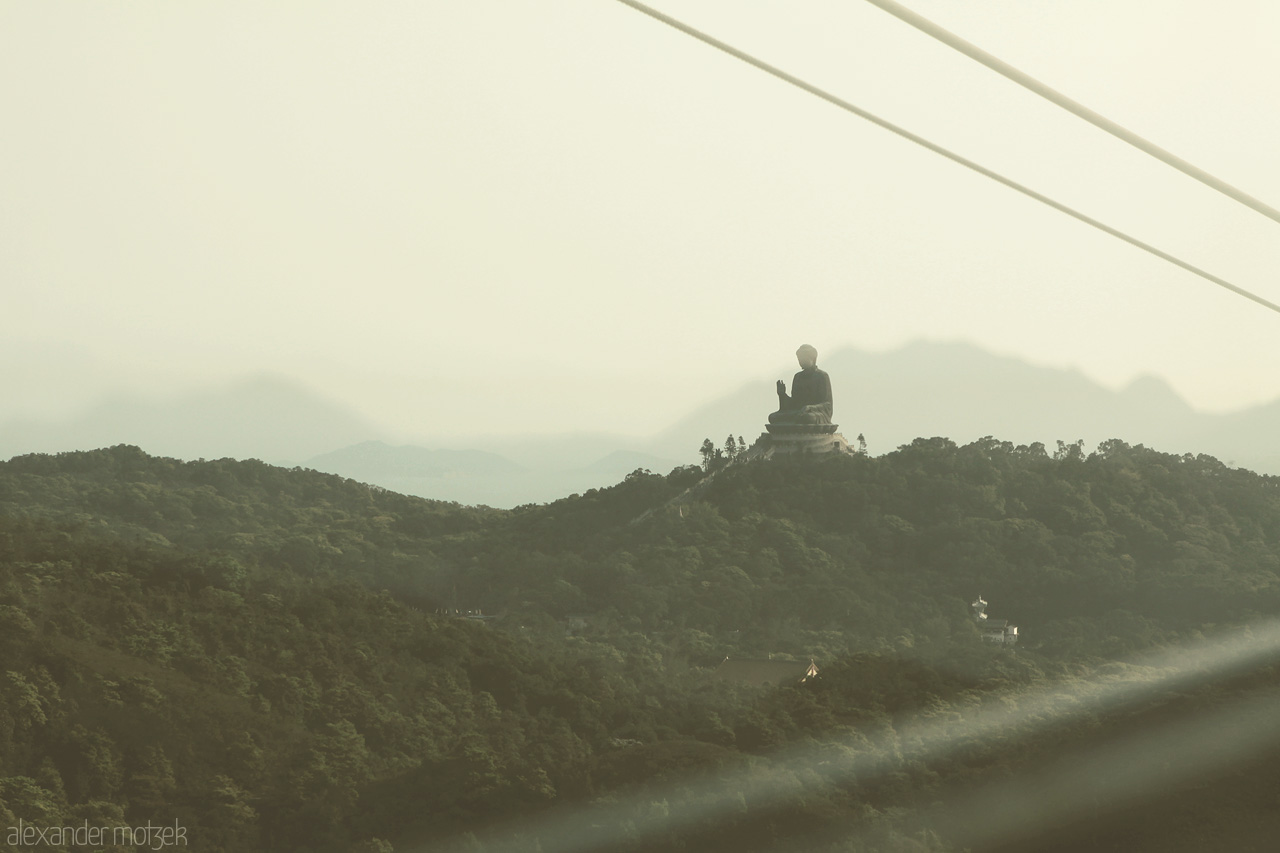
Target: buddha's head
x=808, y=357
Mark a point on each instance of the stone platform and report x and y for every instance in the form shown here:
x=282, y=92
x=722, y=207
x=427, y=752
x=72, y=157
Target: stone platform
x=801, y=429
x=800, y=439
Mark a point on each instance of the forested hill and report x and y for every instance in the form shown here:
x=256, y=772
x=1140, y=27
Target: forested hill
x=298, y=522
x=257, y=652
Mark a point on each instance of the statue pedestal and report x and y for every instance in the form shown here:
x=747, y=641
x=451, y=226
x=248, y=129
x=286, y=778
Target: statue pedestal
x=801, y=429
x=801, y=439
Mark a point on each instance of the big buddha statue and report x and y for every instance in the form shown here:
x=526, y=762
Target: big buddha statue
x=810, y=399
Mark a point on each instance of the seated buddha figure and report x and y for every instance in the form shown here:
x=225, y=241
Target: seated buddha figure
x=810, y=398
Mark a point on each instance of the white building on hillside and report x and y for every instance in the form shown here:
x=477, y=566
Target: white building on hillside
x=993, y=630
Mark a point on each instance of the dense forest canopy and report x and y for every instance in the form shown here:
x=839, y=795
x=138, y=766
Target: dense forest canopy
x=285, y=660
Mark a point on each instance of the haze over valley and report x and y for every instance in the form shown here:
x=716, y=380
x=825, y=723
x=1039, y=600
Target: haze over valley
x=954, y=390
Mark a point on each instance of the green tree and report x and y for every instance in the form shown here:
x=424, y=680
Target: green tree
x=708, y=451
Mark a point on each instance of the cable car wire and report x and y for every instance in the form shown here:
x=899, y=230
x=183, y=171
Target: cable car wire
x=938, y=149
x=1098, y=120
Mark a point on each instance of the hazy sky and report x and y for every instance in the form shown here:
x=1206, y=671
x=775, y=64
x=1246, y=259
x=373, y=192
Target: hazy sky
x=530, y=216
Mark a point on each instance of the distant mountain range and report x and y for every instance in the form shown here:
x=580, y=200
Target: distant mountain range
x=924, y=389
x=267, y=417
x=372, y=461
x=964, y=393
x=474, y=476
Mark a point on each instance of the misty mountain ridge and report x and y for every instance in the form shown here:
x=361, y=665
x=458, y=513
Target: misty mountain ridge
x=956, y=390
x=266, y=417
x=476, y=476
x=371, y=460
x=622, y=462
x=962, y=392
